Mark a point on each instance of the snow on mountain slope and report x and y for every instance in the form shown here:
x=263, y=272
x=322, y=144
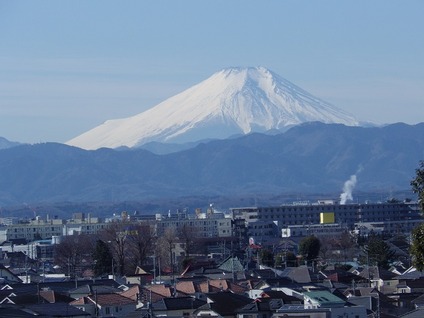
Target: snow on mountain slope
x=232, y=101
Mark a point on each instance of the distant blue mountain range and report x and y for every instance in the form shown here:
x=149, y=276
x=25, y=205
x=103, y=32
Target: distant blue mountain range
x=309, y=158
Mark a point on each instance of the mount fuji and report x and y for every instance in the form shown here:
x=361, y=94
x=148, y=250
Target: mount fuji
x=233, y=101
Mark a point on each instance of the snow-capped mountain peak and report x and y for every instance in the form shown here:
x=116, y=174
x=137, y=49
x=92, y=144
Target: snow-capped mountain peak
x=232, y=101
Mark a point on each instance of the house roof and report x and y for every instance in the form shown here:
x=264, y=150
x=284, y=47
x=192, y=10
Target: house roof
x=275, y=282
x=415, y=283
x=140, y=271
x=186, y=287
x=338, y=275
x=410, y=273
x=81, y=301
x=417, y=313
x=359, y=291
x=60, y=287
x=160, y=289
x=54, y=297
x=298, y=274
x=253, y=308
x=57, y=310
x=133, y=292
x=150, y=296
x=419, y=301
x=111, y=300
x=375, y=272
x=203, y=286
x=324, y=298
x=104, y=300
x=13, y=312
x=44, y=296
x=22, y=299
x=220, y=284
x=14, y=278
x=91, y=289
x=238, y=288
x=277, y=294
x=263, y=273
x=226, y=302
x=261, y=305
x=231, y=264
x=178, y=303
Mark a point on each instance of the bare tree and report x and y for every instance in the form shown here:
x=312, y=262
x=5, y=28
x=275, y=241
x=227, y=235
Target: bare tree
x=188, y=235
x=141, y=240
x=116, y=235
x=74, y=253
x=326, y=247
x=345, y=244
x=165, y=246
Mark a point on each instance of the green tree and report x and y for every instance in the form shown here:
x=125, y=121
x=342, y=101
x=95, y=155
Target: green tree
x=102, y=258
x=417, y=247
x=417, y=244
x=266, y=257
x=377, y=252
x=309, y=247
x=290, y=259
x=418, y=184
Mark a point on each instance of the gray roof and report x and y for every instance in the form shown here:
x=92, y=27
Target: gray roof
x=298, y=274
x=417, y=313
x=231, y=264
x=325, y=298
x=178, y=303
x=57, y=310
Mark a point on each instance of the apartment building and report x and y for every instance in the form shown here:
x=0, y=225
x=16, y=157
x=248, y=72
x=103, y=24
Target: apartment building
x=81, y=224
x=202, y=225
x=37, y=229
x=396, y=217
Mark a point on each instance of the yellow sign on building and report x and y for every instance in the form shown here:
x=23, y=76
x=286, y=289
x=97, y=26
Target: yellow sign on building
x=326, y=217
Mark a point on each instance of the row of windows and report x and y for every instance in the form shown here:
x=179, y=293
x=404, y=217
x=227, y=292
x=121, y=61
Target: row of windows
x=53, y=229
x=352, y=207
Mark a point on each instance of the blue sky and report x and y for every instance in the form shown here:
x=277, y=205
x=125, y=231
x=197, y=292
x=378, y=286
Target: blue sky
x=67, y=66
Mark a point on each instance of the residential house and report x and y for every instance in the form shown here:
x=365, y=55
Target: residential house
x=222, y=304
x=384, y=280
x=177, y=307
x=105, y=305
x=7, y=277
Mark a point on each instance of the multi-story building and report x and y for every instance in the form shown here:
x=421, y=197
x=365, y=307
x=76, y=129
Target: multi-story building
x=40, y=229
x=80, y=224
x=396, y=217
x=32, y=230
x=202, y=225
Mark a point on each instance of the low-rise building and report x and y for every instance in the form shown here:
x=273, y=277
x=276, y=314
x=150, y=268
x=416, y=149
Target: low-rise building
x=202, y=225
x=37, y=229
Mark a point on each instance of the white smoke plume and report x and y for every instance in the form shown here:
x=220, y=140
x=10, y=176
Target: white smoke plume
x=347, y=189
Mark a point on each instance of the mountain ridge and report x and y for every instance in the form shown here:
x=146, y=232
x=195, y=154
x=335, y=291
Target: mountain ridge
x=308, y=158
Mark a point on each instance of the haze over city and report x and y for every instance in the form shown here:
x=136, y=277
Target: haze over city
x=68, y=66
